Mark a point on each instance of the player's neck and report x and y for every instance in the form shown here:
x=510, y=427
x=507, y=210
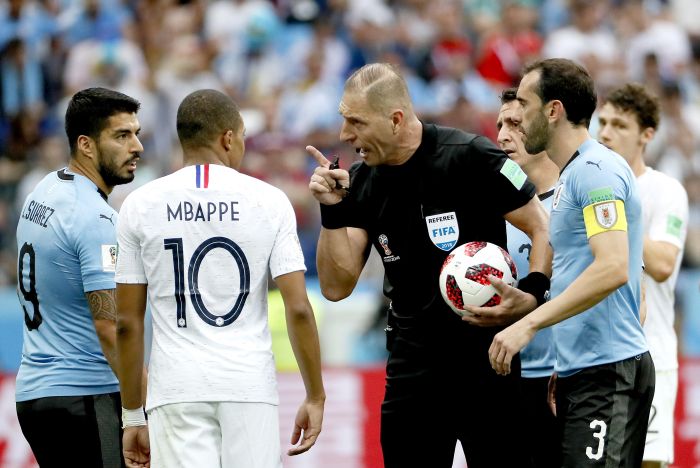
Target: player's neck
x=88, y=170
x=207, y=156
x=637, y=165
x=544, y=175
x=412, y=137
x=564, y=142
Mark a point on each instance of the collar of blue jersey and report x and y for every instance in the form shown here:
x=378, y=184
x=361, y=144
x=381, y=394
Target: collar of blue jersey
x=64, y=174
x=581, y=149
x=546, y=195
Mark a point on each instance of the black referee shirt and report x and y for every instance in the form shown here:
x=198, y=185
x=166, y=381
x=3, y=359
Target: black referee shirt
x=454, y=189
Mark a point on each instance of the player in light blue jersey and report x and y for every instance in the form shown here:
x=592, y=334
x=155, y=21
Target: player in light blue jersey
x=606, y=375
x=67, y=393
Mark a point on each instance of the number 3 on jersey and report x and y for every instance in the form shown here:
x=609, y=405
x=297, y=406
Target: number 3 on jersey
x=175, y=245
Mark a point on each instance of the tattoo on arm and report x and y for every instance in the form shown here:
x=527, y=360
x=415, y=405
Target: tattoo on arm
x=103, y=304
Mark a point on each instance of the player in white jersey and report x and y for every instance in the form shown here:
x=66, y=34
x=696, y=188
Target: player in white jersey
x=199, y=244
x=628, y=120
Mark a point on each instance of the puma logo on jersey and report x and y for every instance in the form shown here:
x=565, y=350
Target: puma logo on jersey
x=596, y=164
x=108, y=218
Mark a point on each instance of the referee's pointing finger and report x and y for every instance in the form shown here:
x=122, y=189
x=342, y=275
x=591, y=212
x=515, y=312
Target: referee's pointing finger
x=318, y=156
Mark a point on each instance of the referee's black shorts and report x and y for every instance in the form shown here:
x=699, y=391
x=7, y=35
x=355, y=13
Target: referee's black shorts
x=440, y=388
x=75, y=431
x=604, y=412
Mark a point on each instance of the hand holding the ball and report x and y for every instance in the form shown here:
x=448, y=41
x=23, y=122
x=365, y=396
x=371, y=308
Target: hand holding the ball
x=508, y=343
x=514, y=305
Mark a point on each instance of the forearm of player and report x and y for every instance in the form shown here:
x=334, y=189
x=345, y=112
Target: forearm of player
x=103, y=309
x=303, y=335
x=340, y=257
x=659, y=259
x=541, y=253
x=302, y=331
x=131, y=307
x=605, y=274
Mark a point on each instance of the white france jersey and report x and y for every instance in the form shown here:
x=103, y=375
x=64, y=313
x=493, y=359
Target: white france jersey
x=205, y=239
x=665, y=214
x=538, y=357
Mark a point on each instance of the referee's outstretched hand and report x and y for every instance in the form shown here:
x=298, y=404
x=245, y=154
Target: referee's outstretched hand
x=515, y=304
x=136, y=447
x=327, y=185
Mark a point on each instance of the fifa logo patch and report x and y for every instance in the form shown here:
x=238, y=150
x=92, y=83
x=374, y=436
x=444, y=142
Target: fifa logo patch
x=384, y=244
x=109, y=257
x=443, y=230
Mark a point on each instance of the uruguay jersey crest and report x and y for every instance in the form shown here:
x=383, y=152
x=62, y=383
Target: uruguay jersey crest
x=443, y=230
x=606, y=214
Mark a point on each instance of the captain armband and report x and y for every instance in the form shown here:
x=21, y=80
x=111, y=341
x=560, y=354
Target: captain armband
x=605, y=216
x=537, y=284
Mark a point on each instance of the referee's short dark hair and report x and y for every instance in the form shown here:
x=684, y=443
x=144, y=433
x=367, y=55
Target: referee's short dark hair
x=566, y=81
x=205, y=114
x=89, y=110
x=635, y=98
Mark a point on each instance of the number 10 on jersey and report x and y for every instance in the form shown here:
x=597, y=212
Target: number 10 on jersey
x=176, y=246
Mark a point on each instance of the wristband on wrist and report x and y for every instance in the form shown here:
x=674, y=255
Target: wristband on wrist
x=537, y=284
x=334, y=216
x=133, y=417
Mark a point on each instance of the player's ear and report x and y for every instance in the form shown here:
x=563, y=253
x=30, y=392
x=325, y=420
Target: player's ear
x=554, y=110
x=647, y=135
x=86, y=145
x=226, y=140
x=396, y=120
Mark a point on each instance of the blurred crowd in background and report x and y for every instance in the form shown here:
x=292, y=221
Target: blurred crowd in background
x=285, y=63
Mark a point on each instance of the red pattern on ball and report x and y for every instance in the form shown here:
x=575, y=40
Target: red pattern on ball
x=447, y=260
x=454, y=294
x=479, y=273
x=472, y=248
x=495, y=300
x=510, y=262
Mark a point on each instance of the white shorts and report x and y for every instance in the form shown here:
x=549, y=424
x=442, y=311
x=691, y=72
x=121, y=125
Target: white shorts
x=215, y=435
x=659, y=444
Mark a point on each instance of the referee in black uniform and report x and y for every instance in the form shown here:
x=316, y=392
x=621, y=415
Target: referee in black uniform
x=420, y=191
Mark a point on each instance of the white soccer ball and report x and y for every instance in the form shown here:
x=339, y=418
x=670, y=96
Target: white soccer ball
x=464, y=275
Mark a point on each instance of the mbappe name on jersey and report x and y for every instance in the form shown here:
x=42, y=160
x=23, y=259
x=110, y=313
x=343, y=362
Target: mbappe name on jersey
x=210, y=211
x=38, y=213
